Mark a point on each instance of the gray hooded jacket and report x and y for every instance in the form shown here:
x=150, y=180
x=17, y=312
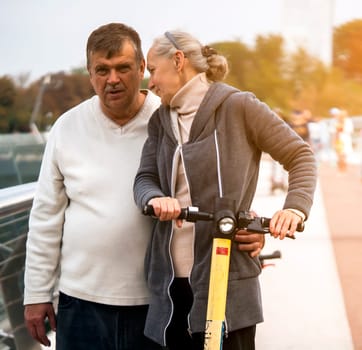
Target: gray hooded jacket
x=230, y=131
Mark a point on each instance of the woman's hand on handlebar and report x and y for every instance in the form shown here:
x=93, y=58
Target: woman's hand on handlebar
x=284, y=223
x=166, y=208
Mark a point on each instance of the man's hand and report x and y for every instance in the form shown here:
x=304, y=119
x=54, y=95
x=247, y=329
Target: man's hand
x=250, y=242
x=35, y=316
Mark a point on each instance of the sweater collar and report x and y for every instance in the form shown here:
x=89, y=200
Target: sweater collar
x=144, y=112
x=188, y=99
x=204, y=121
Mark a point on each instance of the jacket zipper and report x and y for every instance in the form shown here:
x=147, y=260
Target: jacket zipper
x=226, y=332
x=173, y=187
x=193, y=245
x=168, y=290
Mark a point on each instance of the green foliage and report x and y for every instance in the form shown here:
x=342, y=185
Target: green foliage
x=238, y=56
x=266, y=78
x=62, y=93
x=297, y=80
x=347, y=49
x=7, y=97
x=283, y=80
x=7, y=91
x=259, y=69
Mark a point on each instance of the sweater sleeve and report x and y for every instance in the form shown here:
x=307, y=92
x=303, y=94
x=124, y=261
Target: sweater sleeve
x=272, y=135
x=147, y=182
x=45, y=229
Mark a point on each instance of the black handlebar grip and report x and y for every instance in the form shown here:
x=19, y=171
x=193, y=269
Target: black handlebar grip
x=148, y=210
x=191, y=214
x=275, y=255
x=266, y=221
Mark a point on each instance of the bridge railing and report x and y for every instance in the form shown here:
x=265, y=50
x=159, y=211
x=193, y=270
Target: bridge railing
x=15, y=204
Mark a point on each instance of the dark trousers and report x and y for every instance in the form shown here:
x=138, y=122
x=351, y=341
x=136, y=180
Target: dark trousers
x=84, y=325
x=178, y=336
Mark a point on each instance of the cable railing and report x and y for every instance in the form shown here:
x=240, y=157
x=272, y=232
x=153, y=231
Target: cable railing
x=15, y=204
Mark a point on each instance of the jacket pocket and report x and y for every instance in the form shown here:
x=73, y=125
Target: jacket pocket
x=243, y=266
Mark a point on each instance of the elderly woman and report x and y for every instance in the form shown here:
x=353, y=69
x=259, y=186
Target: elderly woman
x=206, y=141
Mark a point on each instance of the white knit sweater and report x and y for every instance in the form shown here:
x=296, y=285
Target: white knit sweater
x=84, y=222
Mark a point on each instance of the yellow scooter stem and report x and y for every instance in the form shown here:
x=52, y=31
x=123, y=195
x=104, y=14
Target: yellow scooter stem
x=220, y=259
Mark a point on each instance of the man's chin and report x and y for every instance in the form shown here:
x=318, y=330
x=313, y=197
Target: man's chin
x=116, y=101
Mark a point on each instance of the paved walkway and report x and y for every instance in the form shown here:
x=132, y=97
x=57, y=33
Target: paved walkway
x=304, y=296
x=342, y=193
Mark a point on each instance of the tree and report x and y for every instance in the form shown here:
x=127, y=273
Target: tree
x=238, y=56
x=7, y=98
x=258, y=69
x=347, y=49
x=65, y=91
x=306, y=77
x=7, y=91
x=265, y=75
x=62, y=93
x=282, y=80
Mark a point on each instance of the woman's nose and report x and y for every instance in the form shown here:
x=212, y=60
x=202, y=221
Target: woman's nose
x=151, y=85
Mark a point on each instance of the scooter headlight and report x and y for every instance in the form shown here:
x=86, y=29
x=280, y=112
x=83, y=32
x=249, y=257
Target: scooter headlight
x=226, y=225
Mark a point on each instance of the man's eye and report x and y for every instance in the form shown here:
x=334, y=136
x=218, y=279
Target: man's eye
x=101, y=71
x=123, y=69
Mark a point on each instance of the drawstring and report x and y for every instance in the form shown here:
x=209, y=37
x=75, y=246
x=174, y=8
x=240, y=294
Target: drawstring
x=218, y=165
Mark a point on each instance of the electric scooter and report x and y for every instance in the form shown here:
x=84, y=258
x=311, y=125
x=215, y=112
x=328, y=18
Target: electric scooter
x=226, y=222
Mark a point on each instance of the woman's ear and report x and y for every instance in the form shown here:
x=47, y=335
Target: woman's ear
x=179, y=59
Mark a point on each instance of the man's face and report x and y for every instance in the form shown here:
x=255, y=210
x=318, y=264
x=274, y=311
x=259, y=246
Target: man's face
x=116, y=81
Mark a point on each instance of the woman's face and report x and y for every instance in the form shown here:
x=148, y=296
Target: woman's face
x=165, y=76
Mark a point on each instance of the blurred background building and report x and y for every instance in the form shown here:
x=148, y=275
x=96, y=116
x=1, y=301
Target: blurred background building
x=309, y=24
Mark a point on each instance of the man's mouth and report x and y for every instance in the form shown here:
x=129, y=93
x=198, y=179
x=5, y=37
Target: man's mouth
x=114, y=92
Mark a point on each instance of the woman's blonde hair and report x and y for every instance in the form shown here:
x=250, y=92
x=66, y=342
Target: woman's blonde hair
x=202, y=58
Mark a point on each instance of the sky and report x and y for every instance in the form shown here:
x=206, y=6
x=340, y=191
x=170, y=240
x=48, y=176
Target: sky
x=38, y=37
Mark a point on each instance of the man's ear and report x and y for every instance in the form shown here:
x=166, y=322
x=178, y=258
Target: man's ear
x=143, y=66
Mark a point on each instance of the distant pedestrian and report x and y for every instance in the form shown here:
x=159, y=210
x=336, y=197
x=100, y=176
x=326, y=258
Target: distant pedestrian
x=298, y=121
x=360, y=148
x=343, y=138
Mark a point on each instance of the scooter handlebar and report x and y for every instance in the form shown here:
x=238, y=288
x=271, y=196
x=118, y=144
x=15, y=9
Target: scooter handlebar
x=244, y=219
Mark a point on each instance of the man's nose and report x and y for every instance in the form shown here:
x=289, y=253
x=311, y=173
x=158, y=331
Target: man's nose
x=113, y=76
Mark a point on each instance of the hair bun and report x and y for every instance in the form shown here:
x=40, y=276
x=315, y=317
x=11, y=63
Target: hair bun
x=208, y=51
